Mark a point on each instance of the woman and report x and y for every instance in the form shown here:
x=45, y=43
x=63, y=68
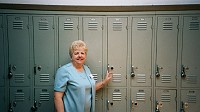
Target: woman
x=74, y=88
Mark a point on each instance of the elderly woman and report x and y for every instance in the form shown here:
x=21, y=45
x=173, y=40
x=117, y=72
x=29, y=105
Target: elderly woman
x=74, y=88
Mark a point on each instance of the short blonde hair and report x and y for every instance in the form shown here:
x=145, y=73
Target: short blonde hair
x=77, y=44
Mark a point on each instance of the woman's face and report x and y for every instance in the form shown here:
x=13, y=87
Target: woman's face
x=79, y=56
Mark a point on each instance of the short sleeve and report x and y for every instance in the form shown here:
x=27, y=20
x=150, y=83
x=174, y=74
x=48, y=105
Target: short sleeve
x=61, y=79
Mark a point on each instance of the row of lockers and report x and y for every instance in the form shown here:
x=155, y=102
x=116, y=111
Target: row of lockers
x=154, y=60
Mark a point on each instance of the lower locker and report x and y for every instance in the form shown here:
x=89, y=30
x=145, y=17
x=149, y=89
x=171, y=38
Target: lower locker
x=2, y=99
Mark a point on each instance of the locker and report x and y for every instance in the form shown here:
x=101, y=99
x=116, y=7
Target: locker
x=166, y=55
x=190, y=100
x=44, y=50
x=19, y=46
x=93, y=37
x=44, y=98
x=2, y=63
x=68, y=32
x=117, y=50
x=20, y=99
x=2, y=99
x=190, y=52
x=165, y=100
x=116, y=100
x=140, y=98
x=141, y=48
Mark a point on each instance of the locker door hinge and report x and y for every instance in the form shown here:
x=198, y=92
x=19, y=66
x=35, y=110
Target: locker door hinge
x=128, y=27
x=78, y=27
x=102, y=27
x=53, y=26
x=180, y=26
x=153, y=27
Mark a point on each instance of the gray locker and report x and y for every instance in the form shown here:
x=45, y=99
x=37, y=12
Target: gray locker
x=93, y=36
x=2, y=99
x=190, y=100
x=44, y=50
x=166, y=55
x=19, y=46
x=190, y=52
x=166, y=100
x=2, y=63
x=68, y=32
x=117, y=100
x=117, y=50
x=20, y=100
x=141, y=48
x=44, y=99
x=140, y=98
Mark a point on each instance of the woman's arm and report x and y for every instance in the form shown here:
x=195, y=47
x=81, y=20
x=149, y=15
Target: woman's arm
x=99, y=85
x=58, y=101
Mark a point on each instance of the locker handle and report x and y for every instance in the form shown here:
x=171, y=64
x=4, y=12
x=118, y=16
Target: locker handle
x=10, y=74
x=10, y=108
x=132, y=71
x=158, y=71
x=34, y=107
x=183, y=70
x=108, y=104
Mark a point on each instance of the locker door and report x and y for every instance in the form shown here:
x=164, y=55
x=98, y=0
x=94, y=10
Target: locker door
x=167, y=35
x=116, y=101
x=2, y=68
x=44, y=99
x=2, y=100
x=190, y=100
x=165, y=100
x=19, y=47
x=141, y=99
x=93, y=36
x=44, y=50
x=117, y=49
x=142, y=35
x=19, y=99
x=190, y=52
x=68, y=32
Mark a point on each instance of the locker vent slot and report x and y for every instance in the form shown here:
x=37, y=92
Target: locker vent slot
x=117, y=26
x=166, y=79
x=140, y=96
x=165, y=97
x=116, y=96
x=96, y=97
x=93, y=26
x=192, y=98
x=68, y=25
x=43, y=25
x=117, y=78
x=95, y=77
x=192, y=79
x=141, y=78
x=142, y=26
x=19, y=78
x=19, y=96
x=167, y=26
x=194, y=25
x=44, y=77
x=18, y=25
x=44, y=96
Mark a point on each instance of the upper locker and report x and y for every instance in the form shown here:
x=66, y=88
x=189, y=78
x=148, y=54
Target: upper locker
x=117, y=63
x=166, y=55
x=190, y=52
x=142, y=36
x=68, y=27
x=2, y=68
x=93, y=36
x=19, y=47
x=44, y=49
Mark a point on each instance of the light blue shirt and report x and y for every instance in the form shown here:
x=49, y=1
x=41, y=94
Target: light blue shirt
x=78, y=88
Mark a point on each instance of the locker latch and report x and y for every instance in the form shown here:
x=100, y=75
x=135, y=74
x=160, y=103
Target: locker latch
x=10, y=107
x=133, y=71
x=10, y=74
x=158, y=71
x=34, y=107
x=183, y=70
x=184, y=106
x=158, y=106
x=134, y=104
